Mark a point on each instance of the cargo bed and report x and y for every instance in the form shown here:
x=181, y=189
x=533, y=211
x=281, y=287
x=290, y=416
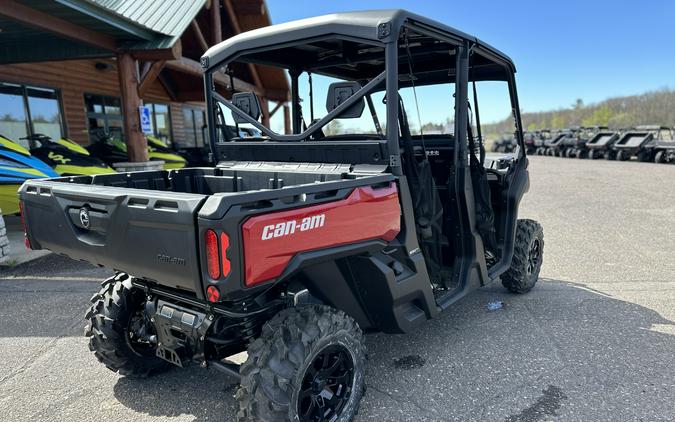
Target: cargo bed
x=146, y=223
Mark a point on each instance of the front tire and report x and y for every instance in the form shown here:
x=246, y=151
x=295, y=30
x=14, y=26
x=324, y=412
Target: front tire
x=118, y=329
x=308, y=361
x=528, y=253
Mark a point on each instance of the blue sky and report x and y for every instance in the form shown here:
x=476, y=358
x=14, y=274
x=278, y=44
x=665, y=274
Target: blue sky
x=563, y=50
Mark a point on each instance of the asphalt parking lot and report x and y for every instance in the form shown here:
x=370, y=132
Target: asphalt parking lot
x=594, y=341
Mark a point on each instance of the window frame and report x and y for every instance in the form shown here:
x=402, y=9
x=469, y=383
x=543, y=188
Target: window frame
x=102, y=115
x=30, y=128
x=195, y=129
x=154, y=119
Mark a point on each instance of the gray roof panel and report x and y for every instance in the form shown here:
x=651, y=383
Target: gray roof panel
x=363, y=24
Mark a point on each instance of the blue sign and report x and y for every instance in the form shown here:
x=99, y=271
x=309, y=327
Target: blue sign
x=146, y=122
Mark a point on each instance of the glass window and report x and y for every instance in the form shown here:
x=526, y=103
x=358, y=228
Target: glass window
x=112, y=105
x=26, y=110
x=161, y=121
x=194, y=124
x=200, y=126
x=104, y=116
x=13, y=121
x=44, y=111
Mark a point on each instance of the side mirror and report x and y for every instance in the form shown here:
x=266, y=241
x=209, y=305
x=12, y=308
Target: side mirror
x=338, y=93
x=248, y=103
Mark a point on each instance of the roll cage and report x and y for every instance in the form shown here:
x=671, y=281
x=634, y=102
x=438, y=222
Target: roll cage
x=373, y=48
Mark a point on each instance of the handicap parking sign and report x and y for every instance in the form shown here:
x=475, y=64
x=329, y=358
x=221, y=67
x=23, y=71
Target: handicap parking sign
x=146, y=123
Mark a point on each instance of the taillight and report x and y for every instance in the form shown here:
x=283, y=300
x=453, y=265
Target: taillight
x=212, y=294
x=25, y=228
x=224, y=244
x=212, y=256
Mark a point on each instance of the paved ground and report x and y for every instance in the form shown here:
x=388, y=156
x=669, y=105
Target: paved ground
x=594, y=341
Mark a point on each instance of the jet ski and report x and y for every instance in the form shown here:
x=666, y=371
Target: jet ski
x=66, y=157
x=16, y=166
x=158, y=150
x=112, y=150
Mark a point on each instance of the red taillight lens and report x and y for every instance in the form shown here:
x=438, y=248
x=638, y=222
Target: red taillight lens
x=212, y=256
x=212, y=294
x=224, y=244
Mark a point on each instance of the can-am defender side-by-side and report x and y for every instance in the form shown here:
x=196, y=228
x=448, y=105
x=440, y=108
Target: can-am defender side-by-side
x=578, y=142
x=600, y=145
x=638, y=142
x=296, y=244
x=664, y=147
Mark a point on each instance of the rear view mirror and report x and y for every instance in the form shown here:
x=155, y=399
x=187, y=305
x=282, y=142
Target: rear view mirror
x=338, y=93
x=248, y=103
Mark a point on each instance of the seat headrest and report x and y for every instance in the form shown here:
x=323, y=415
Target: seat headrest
x=248, y=103
x=338, y=93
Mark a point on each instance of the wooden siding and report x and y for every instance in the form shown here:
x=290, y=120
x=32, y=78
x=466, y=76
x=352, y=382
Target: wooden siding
x=73, y=79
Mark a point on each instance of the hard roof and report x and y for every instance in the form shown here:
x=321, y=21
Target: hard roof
x=363, y=24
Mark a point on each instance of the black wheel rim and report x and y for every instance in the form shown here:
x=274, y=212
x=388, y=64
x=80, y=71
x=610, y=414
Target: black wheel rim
x=327, y=385
x=533, y=256
x=141, y=335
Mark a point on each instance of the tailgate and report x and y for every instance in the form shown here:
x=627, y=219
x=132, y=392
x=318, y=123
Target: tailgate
x=149, y=234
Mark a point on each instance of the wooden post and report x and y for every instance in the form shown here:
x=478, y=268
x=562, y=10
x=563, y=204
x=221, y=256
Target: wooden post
x=137, y=145
x=216, y=27
x=265, y=109
x=287, y=119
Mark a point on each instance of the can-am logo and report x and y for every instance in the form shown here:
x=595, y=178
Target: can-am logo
x=286, y=228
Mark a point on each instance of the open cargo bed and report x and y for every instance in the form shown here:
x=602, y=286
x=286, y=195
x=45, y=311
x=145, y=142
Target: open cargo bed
x=147, y=223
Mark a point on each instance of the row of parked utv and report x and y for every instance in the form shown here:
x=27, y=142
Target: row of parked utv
x=649, y=143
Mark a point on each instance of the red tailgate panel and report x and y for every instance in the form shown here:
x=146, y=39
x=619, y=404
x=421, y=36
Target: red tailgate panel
x=271, y=240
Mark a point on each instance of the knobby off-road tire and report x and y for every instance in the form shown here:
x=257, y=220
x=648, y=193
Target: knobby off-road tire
x=117, y=305
x=4, y=241
x=303, y=356
x=622, y=156
x=660, y=157
x=645, y=156
x=527, y=257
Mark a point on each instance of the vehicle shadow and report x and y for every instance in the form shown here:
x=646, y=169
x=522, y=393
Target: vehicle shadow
x=526, y=361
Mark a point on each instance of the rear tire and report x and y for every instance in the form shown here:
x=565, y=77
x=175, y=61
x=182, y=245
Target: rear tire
x=307, y=359
x=660, y=157
x=527, y=257
x=114, y=309
x=622, y=156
